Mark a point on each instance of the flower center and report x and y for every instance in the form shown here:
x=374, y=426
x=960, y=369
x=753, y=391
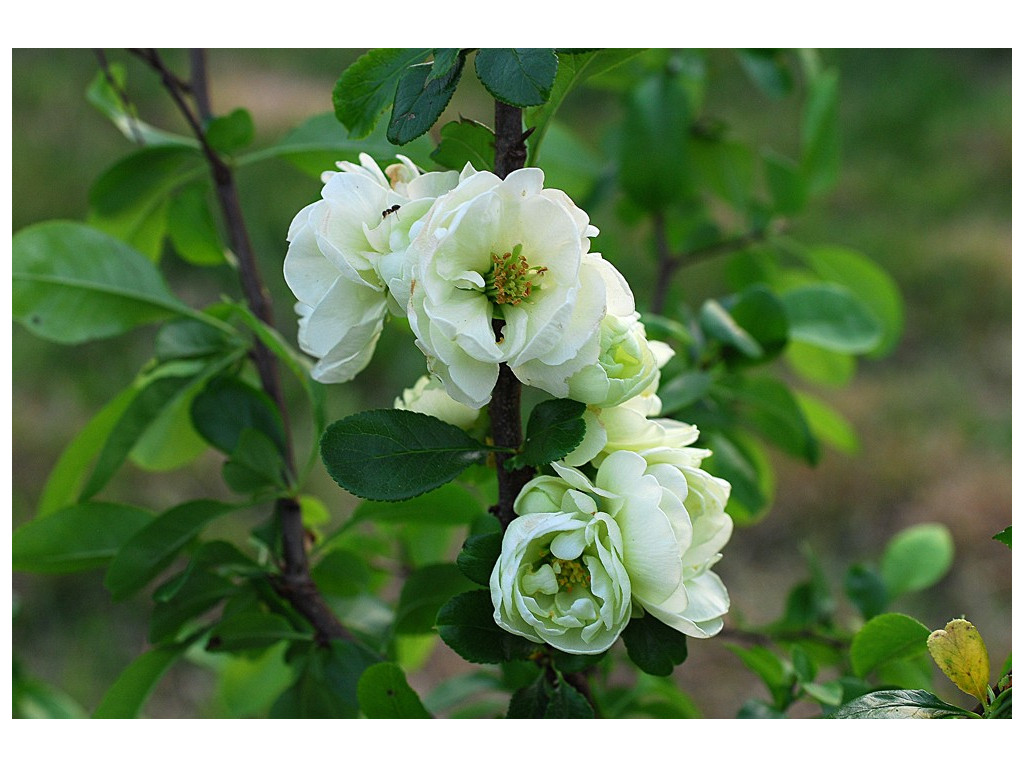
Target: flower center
x=511, y=279
x=570, y=573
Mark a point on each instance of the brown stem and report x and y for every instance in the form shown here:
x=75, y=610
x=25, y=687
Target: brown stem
x=667, y=264
x=295, y=583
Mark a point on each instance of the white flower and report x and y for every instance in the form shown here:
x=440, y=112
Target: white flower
x=346, y=259
x=428, y=396
x=661, y=530
x=512, y=257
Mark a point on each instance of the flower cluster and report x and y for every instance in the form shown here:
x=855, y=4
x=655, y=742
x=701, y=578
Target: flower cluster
x=492, y=271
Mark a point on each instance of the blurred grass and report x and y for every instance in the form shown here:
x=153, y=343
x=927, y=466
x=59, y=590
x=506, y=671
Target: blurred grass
x=925, y=191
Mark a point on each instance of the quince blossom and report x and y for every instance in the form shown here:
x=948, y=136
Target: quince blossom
x=428, y=396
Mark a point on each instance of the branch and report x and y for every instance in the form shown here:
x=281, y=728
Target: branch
x=506, y=417
x=295, y=583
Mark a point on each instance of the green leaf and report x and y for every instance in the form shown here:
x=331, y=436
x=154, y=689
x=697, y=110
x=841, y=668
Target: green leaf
x=418, y=103
x=69, y=473
x=424, y=592
x=653, y=646
x=555, y=428
x=758, y=311
x=256, y=464
x=821, y=366
x=76, y=538
x=717, y=323
x=832, y=317
x=828, y=425
x=465, y=141
x=251, y=629
x=390, y=455
x=227, y=407
x=200, y=592
x=768, y=70
x=248, y=685
x=317, y=144
x=449, y=505
x=478, y=556
x=773, y=672
x=744, y=464
x=130, y=199
x=522, y=77
x=683, y=390
x=769, y=407
x=342, y=572
x=819, y=133
x=829, y=694
x=385, y=693
x=868, y=282
x=133, y=687
x=186, y=339
x=328, y=683
x=367, y=87
x=34, y=698
x=724, y=168
x=1005, y=536
x=754, y=709
x=444, y=60
x=573, y=69
x=191, y=227
x=104, y=95
x=571, y=165
x=531, y=701
x=885, y=638
x=898, y=705
x=916, y=558
x=866, y=590
x=231, y=132
x=466, y=624
x=785, y=183
x=73, y=283
x=566, y=702
x=658, y=117
x=153, y=547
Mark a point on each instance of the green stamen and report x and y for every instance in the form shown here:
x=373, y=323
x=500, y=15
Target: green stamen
x=511, y=279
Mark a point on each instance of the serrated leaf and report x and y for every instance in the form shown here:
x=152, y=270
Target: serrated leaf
x=419, y=103
x=73, y=283
x=960, y=653
x=885, y=638
x=554, y=429
x=465, y=141
x=565, y=702
x=444, y=60
x=367, y=87
x=653, y=646
x=897, y=705
x=522, y=77
x=126, y=697
x=390, y=455
x=77, y=538
x=385, y=693
x=466, y=624
x=153, y=547
x=916, y=558
x=478, y=556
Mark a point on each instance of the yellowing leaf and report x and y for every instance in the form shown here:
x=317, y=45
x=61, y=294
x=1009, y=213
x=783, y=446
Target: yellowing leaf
x=960, y=653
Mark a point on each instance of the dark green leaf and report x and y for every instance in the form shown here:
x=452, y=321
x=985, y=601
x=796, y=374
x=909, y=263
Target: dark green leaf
x=385, y=693
x=367, y=87
x=187, y=338
x=478, y=556
x=73, y=283
x=327, y=684
x=105, y=96
x=898, y=705
x=832, y=317
x=76, y=538
x=759, y=312
x=769, y=407
x=153, y=548
x=718, y=324
x=566, y=702
x=466, y=624
x=785, y=182
x=256, y=464
x=341, y=573
x=768, y=70
x=755, y=709
x=418, y=103
x=389, y=455
x=819, y=133
x=531, y=701
x=133, y=687
x=555, y=428
x=571, y=165
x=449, y=505
x=191, y=227
x=724, y=168
x=227, y=407
x=885, y=638
x=444, y=60
x=424, y=592
x=657, y=119
x=522, y=77
x=1005, y=536
x=231, y=132
x=251, y=629
x=653, y=646
x=916, y=558
x=747, y=469
x=465, y=141
x=34, y=698
x=868, y=282
x=774, y=673
x=866, y=590
x=200, y=592
x=683, y=390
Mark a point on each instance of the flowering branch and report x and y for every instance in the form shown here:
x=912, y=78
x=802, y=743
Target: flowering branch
x=295, y=583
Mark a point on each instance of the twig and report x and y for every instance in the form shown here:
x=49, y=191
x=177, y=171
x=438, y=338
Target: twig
x=122, y=96
x=295, y=583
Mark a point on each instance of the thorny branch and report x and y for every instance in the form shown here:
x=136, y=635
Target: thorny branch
x=294, y=583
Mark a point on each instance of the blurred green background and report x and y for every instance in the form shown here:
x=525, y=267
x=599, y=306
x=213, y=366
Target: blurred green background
x=925, y=190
